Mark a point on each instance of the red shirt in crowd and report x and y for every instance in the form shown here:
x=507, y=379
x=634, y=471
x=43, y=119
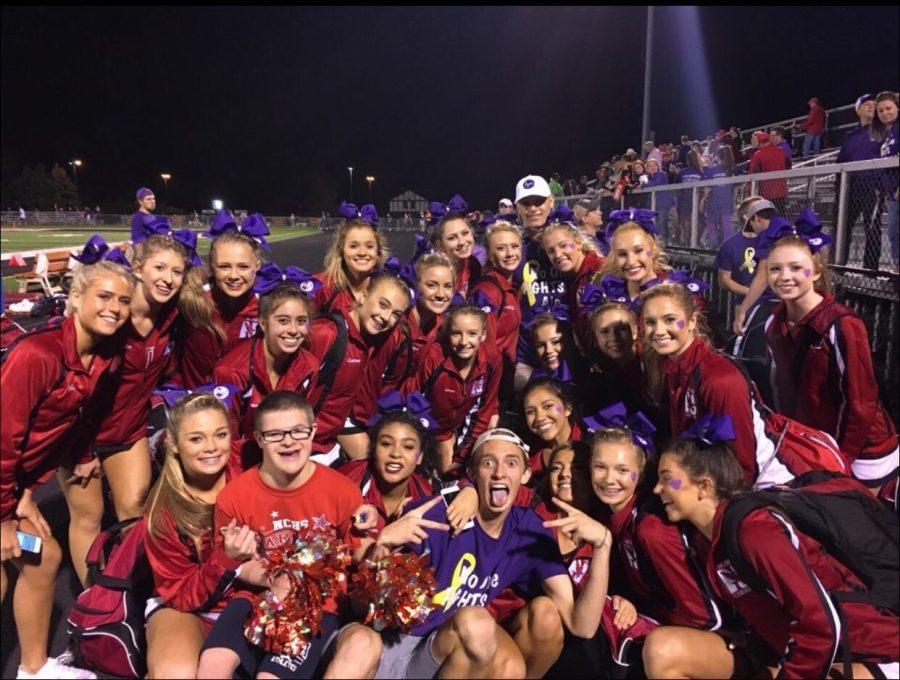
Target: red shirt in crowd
x=200, y=350
x=589, y=266
x=123, y=410
x=245, y=367
x=505, y=317
x=822, y=375
x=390, y=364
x=815, y=121
x=421, y=337
x=45, y=387
x=770, y=158
x=666, y=582
x=330, y=298
x=326, y=501
x=468, y=273
x=462, y=407
x=796, y=617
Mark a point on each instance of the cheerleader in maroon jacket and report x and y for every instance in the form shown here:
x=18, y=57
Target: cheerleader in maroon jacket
x=48, y=377
x=454, y=236
x=795, y=616
x=229, y=309
x=659, y=570
x=576, y=258
x=696, y=379
x=460, y=376
x=161, y=264
x=549, y=409
x=190, y=575
x=821, y=360
x=277, y=357
x=357, y=252
x=435, y=280
x=555, y=352
x=498, y=294
x=343, y=343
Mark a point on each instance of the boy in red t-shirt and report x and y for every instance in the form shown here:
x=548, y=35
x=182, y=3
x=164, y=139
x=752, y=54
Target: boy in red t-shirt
x=284, y=495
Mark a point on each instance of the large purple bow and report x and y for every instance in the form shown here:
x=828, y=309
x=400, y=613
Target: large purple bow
x=254, y=226
x=480, y=299
x=560, y=373
x=557, y=309
x=438, y=212
x=711, y=429
x=615, y=288
x=617, y=415
x=457, y=205
x=414, y=403
x=640, y=216
x=97, y=249
x=270, y=276
x=225, y=392
x=808, y=227
x=562, y=215
x=420, y=247
x=407, y=272
x=367, y=213
x=696, y=286
x=488, y=220
x=592, y=296
x=185, y=237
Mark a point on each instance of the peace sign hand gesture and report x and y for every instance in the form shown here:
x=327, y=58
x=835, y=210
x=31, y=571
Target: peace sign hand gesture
x=579, y=527
x=411, y=527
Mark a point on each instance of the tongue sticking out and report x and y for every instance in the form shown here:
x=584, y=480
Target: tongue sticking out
x=498, y=497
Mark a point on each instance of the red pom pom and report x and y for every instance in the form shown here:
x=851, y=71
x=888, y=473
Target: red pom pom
x=397, y=590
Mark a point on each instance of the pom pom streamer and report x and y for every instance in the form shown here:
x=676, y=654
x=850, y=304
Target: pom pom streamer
x=397, y=591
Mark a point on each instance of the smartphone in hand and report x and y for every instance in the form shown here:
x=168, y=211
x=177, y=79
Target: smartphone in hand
x=29, y=542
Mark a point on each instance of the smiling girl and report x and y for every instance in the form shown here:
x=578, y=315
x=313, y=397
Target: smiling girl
x=454, y=236
x=821, y=363
x=356, y=253
x=53, y=374
x=549, y=416
x=460, y=377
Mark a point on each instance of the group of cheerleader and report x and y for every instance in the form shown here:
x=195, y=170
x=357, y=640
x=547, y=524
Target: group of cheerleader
x=552, y=389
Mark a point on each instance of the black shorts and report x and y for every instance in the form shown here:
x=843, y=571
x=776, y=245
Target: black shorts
x=228, y=633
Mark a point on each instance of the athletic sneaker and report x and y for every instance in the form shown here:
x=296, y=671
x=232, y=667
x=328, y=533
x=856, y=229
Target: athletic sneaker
x=55, y=669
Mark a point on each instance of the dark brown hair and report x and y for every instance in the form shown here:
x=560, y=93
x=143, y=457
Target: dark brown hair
x=715, y=461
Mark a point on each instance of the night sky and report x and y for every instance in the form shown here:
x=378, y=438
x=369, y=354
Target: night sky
x=266, y=108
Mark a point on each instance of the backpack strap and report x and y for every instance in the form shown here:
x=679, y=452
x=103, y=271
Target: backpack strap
x=738, y=508
x=333, y=359
x=812, y=335
x=99, y=553
x=432, y=379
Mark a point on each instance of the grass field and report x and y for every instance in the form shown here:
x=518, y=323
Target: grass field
x=37, y=238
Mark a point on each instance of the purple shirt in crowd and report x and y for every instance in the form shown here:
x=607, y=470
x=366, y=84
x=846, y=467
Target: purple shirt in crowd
x=721, y=198
x=137, y=225
x=736, y=257
x=473, y=568
x=784, y=146
x=685, y=196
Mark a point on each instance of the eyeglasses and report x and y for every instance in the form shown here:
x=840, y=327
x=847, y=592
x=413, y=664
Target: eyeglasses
x=298, y=434
x=533, y=201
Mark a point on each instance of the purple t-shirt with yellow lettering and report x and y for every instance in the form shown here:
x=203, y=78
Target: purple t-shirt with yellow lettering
x=473, y=568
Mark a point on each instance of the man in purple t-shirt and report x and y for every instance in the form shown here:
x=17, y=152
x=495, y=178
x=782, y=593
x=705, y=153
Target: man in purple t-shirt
x=509, y=545
x=146, y=205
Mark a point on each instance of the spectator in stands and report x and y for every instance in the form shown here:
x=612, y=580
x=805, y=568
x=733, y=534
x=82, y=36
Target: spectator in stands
x=582, y=184
x=691, y=173
x=778, y=139
x=884, y=130
x=555, y=187
x=682, y=150
x=769, y=158
x=664, y=199
x=651, y=152
x=814, y=126
x=640, y=179
x=589, y=219
x=146, y=205
x=861, y=199
x=733, y=139
x=570, y=188
x=718, y=201
x=505, y=207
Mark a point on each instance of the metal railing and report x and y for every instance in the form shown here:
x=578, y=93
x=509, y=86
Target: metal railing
x=830, y=114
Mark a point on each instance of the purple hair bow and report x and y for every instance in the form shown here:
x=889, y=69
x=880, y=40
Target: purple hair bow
x=808, y=227
x=487, y=221
x=185, y=237
x=367, y=213
x=407, y=272
x=253, y=226
x=617, y=416
x=561, y=373
x=640, y=216
x=97, y=249
x=225, y=392
x=557, y=309
x=711, y=429
x=270, y=276
x=414, y=403
x=480, y=299
x=562, y=215
x=457, y=205
x=592, y=296
x=615, y=288
x=696, y=286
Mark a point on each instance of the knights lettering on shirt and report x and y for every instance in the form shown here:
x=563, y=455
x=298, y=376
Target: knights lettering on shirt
x=822, y=375
x=659, y=564
x=771, y=448
x=122, y=409
x=462, y=407
x=200, y=349
x=45, y=387
x=541, y=284
x=796, y=616
x=245, y=367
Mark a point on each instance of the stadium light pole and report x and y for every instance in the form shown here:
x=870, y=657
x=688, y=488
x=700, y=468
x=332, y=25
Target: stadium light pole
x=350, y=168
x=165, y=178
x=370, y=179
x=648, y=58
x=75, y=165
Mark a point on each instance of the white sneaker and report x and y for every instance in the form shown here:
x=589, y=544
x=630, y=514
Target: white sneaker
x=55, y=669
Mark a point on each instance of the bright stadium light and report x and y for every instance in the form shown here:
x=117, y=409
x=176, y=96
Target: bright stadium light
x=75, y=165
x=350, y=168
x=370, y=179
x=218, y=204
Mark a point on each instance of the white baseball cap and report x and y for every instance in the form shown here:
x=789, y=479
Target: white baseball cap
x=505, y=202
x=503, y=435
x=532, y=185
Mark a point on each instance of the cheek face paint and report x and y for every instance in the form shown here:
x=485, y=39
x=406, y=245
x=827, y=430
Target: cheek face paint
x=680, y=325
x=807, y=273
x=559, y=409
x=634, y=476
x=675, y=484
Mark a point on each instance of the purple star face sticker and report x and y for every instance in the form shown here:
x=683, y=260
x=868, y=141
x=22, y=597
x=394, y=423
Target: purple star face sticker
x=320, y=522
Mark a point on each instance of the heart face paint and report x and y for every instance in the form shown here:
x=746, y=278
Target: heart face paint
x=675, y=484
x=807, y=273
x=634, y=476
x=680, y=325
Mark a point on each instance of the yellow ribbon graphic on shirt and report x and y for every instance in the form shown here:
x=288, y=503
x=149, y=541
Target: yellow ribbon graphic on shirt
x=529, y=276
x=463, y=570
x=749, y=263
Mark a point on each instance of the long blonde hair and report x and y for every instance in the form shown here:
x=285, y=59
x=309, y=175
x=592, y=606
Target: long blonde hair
x=335, y=269
x=611, y=266
x=586, y=244
x=170, y=495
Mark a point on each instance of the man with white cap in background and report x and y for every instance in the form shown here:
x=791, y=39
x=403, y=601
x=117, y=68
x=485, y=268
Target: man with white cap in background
x=505, y=207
